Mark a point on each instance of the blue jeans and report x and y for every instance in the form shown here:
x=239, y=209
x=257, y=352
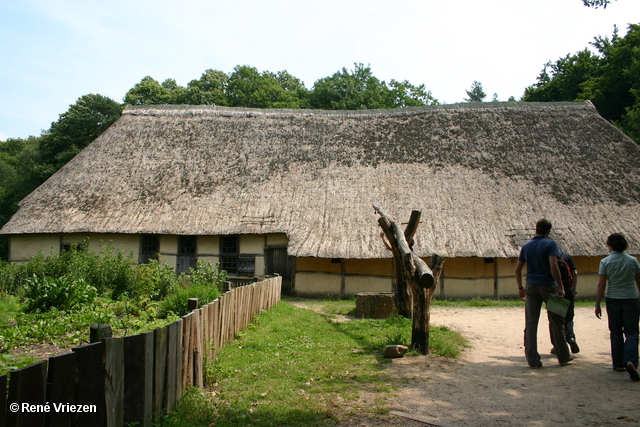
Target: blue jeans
x=623, y=316
x=536, y=295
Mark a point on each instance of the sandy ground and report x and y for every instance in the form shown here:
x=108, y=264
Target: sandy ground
x=492, y=385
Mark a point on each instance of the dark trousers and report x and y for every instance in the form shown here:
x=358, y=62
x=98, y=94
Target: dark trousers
x=536, y=295
x=568, y=319
x=623, y=316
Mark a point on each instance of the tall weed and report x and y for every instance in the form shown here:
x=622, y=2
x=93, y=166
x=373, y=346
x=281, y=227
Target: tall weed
x=64, y=293
x=204, y=283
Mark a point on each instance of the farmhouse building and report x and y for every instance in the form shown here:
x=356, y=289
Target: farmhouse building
x=292, y=191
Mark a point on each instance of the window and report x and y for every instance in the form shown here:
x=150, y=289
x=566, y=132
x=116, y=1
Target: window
x=187, y=245
x=149, y=248
x=75, y=246
x=246, y=264
x=187, y=254
x=229, y=254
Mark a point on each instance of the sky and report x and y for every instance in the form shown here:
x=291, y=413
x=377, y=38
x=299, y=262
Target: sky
x=52, y=52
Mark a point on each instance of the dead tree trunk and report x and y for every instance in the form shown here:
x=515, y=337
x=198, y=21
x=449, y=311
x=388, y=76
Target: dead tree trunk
x=402, y=292
x=413, y=271
x=436, y=265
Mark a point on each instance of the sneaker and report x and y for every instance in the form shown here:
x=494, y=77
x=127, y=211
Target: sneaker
x=633, y=374
x=567, y=362
x=574, y=346
x=539, y=365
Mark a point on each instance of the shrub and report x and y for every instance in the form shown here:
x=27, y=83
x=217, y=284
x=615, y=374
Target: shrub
x=206, y=274
x=153, y=281
x=64, y=293
x=205, y=283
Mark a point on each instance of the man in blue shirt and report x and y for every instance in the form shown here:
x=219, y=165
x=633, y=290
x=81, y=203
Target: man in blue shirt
x=540, y=255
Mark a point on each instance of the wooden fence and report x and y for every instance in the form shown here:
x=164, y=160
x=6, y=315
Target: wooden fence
x=131, y=379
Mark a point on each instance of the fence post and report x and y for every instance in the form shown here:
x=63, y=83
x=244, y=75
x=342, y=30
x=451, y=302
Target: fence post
x=97, y=332
x=187, y=353
x=114, y=381
x=90, y=386
x=27, y=386
x=179, y=353
x=172, y=365
x=192, y=304
x=138, y=376
x=61, y=381
x=3, y=400
x=159, y=371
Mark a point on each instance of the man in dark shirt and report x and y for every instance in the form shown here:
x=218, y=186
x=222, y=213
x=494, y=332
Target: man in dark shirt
x=540, y=255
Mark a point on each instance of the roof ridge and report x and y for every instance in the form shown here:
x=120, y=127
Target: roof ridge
x=178, y=109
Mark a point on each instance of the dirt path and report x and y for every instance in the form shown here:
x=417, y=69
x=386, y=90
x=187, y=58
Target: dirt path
x=492, y=385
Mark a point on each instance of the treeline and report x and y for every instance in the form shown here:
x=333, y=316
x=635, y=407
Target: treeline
x=609, y=78
x=245, y=86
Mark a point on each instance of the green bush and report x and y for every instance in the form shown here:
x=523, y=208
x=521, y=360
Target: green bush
x=64, y=293
x=177, y=302
x=204, y=283
x=109, y=271
x=206, y=274
x=153, y=281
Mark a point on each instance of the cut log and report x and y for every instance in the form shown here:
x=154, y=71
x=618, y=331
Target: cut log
x=375, y=305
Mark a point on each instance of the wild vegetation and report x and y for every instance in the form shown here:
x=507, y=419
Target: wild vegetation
x=54, y=299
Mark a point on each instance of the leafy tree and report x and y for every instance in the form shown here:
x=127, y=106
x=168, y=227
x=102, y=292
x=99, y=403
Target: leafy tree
x=150, y=92
x=476, y=94
x=210, y=89
x=358, y=89
x=247, y=87
x=19, y=175
x=610, y=79
x=404, y=94
x=562, y=80
x=175, y=93
x=75, y=129
x=611, y=87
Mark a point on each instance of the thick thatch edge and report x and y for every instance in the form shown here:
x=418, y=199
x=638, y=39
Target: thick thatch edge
x=218, y=110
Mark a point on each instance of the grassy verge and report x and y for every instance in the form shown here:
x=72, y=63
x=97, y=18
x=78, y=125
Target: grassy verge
x=297, y=367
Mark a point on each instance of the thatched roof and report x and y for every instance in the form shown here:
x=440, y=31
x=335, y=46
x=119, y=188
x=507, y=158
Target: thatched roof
x=482, y=175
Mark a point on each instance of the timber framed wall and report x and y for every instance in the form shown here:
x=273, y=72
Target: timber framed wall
x=133, y=379
x=461, y=277
x=24, y=247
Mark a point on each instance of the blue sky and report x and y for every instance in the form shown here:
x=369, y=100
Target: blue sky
x=54, y=52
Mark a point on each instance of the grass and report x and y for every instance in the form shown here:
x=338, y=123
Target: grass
x=297, y=367
x=9, y=307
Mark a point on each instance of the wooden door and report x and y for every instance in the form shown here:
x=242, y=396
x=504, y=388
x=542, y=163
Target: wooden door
x=277, y=261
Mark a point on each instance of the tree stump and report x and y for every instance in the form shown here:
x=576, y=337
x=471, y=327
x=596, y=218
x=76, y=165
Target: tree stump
x=375, y=305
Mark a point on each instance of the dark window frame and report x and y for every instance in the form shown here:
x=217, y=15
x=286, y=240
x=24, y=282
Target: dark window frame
x=230, y=253
x=149, y=248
